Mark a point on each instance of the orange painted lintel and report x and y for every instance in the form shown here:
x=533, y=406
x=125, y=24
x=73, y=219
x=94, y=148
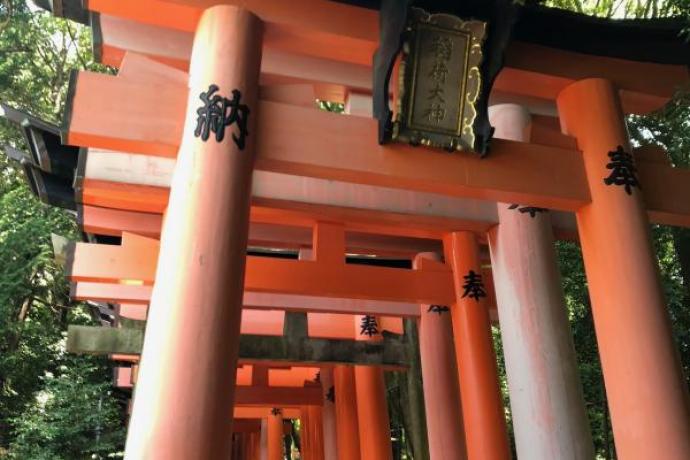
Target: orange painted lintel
x=346, y=33
x=278, y=396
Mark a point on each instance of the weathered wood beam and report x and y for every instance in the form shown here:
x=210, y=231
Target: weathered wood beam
x=389, y=353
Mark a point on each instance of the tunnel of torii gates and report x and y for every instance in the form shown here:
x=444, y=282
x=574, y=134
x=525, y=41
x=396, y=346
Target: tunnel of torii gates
x=293, y=255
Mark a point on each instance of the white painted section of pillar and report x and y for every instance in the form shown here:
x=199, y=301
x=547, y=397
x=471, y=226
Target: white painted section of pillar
x=330, y=433
x=546, y=398
x=263, y=444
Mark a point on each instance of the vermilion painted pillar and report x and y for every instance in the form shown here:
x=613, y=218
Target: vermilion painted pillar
x=254, y=446
x=644, y=384
x=305, y=434
x=346, y=419
x=329, y=422
x=275, y=435
x=184, y=398
x=548, y=408
x=372, y=406
x=482, y=405
x=313, y=433
x=263, y=440
x=440, y=380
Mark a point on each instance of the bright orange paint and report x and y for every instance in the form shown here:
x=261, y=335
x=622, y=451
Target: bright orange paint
x=644, y=385
x=482, y=405
x=346, y=420
x=443, y=407
x=275, y=435
x=192, y=336
x=372, y=408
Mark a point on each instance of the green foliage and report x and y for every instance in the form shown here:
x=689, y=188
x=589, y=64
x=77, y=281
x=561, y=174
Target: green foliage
x=73, y=417
x=626, y=8
x=47, y=406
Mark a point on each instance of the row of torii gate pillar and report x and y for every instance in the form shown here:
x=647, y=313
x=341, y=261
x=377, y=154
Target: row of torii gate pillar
x=264, y=259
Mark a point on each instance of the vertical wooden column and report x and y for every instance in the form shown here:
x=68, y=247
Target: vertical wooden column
x=254, y=447
x=305, y=434
x=275, y=435
x=442, y=403
x=330, y=435
x=645, y=388
x=537, y=341
x=372, y=406
x=346, y=419
x=184, y=398
x=482, y=404
x=263, y=440
x=313, y=428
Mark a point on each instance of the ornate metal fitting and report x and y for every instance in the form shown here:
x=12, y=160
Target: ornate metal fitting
x=440, y=81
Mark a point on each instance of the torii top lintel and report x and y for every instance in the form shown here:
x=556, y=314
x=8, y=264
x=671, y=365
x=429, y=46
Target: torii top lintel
x=646, y=59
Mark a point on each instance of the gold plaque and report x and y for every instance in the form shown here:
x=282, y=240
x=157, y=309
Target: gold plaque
x=440, y=81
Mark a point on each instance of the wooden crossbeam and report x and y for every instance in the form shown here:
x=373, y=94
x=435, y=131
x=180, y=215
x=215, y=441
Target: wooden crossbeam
x=389, y=353
x=253, y=412
x=279, y=396
x=136, y=260
x=291, y=140
x=351, y=35
x=122, y=293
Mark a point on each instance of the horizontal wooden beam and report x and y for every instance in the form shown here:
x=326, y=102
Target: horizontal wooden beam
x=254, y=412
x=389, y=353
x=279, y=396
x=122, y=293
x=135, y=261
x=545, y=71
x=291, y=141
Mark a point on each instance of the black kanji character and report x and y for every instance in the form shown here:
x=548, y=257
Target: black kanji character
x=623, y=170
x=437, y=309
x=532, y=210
x=369, y=326
x=219, y=112
x=276, y=411
x=473, y=286
x=330, y=394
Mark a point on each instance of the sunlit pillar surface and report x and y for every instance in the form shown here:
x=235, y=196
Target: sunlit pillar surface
x=442, y=404
x=645, y=388
x=482, y=406
x=548, y=408
x=184, y=398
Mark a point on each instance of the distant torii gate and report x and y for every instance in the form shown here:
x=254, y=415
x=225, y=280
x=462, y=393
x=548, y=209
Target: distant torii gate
x=156, y=161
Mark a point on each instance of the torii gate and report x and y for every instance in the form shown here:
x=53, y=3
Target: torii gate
x=305, y=178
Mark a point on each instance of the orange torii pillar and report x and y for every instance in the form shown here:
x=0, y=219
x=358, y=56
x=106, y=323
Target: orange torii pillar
x=538, y=346
x=184, y=398
x=311, y=434
x=254, y=446
x=442, y=403
x=275, y=433
x=372, y=405
x=330, y=435
x=482, y=405
x=346, y=419
x=644, y=384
